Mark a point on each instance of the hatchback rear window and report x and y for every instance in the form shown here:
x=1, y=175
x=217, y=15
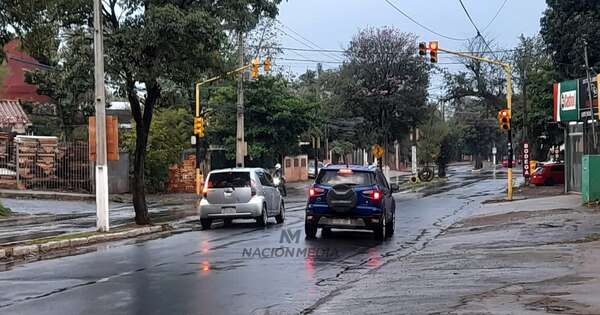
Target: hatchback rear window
x=229, y=179
x=334, y=177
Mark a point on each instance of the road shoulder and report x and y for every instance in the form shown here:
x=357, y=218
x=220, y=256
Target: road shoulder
x=529, y=256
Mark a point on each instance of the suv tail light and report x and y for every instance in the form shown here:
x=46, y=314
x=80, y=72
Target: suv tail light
x=374, y=194
x=315, y=191
x=252, y=187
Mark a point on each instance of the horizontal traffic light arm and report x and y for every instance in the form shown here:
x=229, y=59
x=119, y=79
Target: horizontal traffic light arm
x=480, y=58
x=215, y=78
x=505, y=66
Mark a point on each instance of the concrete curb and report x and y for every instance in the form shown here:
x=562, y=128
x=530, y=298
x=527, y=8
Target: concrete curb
x=28, y=194
x=24, y=251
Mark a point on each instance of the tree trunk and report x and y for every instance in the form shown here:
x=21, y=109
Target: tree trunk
x=142, y=130
x=478, y=162
x=139, y=193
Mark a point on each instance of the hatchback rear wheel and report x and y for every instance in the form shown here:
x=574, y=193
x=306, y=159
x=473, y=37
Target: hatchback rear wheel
x=263, y=218
x=281, y=216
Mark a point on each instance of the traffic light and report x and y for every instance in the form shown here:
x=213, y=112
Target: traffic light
x=422, y=49
x=267, y=65
x=433, y=50
x=504, y=119
x=255, y=65
x=199, y=126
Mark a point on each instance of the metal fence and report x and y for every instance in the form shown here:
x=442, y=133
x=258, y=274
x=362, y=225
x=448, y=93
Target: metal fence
x=37, y=165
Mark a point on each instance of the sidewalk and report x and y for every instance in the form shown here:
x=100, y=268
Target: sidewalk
x=532, y=256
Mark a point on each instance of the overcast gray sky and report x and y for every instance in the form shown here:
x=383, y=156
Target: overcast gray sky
x=330, y=24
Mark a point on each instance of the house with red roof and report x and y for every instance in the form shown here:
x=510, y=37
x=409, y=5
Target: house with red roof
x=14, y=89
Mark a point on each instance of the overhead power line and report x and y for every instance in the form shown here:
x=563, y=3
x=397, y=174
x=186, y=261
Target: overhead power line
x=495, y=16
x=309, y=49
x=423, y=26
x=343, y=51
x=476, y=28
x=308, y=60
x=305, y=41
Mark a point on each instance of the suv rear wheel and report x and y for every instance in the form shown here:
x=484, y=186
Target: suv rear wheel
x=381, y=228
x=206, y=223
x=310, y=229
x=391, y=226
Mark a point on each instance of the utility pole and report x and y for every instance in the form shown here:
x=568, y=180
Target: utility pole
x=589, y=80
x=240, y=148
x=101, y=165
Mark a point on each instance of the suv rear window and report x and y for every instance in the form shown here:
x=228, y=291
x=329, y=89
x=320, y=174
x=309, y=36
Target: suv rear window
x=229, y=179
x=334, y=177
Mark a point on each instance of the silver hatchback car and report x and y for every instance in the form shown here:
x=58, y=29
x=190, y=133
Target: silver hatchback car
x=240, y=193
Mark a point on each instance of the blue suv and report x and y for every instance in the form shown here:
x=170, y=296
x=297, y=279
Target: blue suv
x=351, y=197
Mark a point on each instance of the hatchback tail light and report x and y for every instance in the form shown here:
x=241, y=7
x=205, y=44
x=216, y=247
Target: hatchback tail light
x=252, y=187
x=315, y=191
x=205, y=189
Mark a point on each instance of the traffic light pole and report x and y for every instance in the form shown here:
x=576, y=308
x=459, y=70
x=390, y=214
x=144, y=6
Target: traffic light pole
x=198, y=114
x=508, y=72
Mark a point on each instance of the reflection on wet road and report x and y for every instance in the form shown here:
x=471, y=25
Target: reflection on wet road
x=239, y=269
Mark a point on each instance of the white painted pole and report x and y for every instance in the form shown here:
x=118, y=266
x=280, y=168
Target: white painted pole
x=102, y=222
x=414, y=159
x=397, y=159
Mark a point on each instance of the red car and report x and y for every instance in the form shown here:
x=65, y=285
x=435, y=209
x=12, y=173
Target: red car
x=549, y=174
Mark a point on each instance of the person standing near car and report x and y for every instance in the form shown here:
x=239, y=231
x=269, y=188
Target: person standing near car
x=279, y=179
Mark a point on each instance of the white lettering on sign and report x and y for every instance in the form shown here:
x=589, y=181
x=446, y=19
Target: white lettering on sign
x=526, y=167
x=568, y=100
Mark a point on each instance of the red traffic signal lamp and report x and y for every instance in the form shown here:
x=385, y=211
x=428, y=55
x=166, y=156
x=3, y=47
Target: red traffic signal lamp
x=199, y=126
x=433, y=50
x=504, y=119
x=267, y=65
x=422, y=49
x=255, y=65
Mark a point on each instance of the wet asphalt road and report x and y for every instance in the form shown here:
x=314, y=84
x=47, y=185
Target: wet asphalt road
x=237, y=269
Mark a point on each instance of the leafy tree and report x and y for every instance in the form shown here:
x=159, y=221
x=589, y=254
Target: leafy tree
x=431, y=134
x=565, y=26
x=147, y=43
x=476, y=95
x=535, y=69
x=69, y=84
x=175, y=40
x=168, y=138
x=384, y=84
x=444, y=157
x=274, y=119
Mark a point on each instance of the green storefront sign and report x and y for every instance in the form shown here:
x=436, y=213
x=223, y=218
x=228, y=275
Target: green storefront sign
x=566, y=101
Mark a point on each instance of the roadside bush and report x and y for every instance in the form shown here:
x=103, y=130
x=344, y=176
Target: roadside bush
x=4, y=211
x=169, y=137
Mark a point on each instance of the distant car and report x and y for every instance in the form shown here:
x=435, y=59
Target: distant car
x=240, y=193
x=311, y=168
x=549, y=174
x=514, y=163
x=351, y=197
